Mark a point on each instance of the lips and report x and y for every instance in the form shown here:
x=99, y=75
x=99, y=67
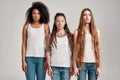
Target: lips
x=87, y=20
x=59, y=26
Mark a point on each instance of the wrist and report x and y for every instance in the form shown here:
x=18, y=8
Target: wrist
x=23, y=61
x=49, y=67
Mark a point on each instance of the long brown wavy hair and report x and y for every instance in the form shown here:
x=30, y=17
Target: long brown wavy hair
x=81, y=39
x=53, y=40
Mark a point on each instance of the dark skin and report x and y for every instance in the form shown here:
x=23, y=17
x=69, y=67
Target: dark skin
x=34, y=24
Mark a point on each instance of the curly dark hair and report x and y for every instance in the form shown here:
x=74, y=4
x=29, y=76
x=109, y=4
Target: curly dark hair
x=44, y=12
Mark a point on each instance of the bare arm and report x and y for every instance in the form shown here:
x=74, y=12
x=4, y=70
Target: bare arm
x=99, y=67
x=47, y=36
x=99, y=46
x=75, y=48
x=47, y=31
x=47, y=52
x=24, y=45
x=75, y=70
x=24, y=42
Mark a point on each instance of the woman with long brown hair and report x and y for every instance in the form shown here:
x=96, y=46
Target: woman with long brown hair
x=59, y=49
x=87, y=54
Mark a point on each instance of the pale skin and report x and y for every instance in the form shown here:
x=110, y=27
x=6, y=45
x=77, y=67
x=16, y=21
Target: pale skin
x=60, y=23
x=34, y=24
x=87, y=19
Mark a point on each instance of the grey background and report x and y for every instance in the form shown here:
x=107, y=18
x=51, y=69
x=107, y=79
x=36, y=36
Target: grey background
x=12, y=18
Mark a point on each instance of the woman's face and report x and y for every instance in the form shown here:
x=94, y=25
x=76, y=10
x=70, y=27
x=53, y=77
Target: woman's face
x=60, y=22
x=87, y=17
x=36, y=15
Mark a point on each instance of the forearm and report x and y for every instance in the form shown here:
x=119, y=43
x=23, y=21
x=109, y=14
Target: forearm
x=100, y=63
x=74, y=63
x=74, y=59
x=23, y=53
x=47, y=55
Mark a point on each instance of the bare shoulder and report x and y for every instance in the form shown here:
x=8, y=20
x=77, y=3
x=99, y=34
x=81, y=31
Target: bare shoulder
x=47, y=29
x=25, y=26
x=46, y=25
x=98, y=31
x=76, y=32
x=24, y=31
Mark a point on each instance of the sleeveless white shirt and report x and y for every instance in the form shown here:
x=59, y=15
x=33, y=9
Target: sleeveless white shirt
x=89, y=50
x=61, y=56
x=35, y=41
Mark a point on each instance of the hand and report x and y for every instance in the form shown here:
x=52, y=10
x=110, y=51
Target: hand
x=46, y=65
x=24, y=66
x=98, y=71
x=76, y=72
x=50, y=72
x=71, y=71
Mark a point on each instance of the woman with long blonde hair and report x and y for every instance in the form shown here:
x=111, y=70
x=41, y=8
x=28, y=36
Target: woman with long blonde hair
x=87, y=54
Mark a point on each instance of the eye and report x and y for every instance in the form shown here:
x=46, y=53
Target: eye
x=56, y=21
x=90, y=15
x=85, y=14
x=38, y=13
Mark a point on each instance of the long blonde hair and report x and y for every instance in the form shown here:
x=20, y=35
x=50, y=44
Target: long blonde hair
x=81, y=39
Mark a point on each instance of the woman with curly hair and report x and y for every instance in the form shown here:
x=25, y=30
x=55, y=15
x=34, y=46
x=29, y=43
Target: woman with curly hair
x=34, y=36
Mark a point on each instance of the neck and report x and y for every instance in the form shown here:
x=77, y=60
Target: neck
x=60, y=32
x=36, y=22
x=87, y=28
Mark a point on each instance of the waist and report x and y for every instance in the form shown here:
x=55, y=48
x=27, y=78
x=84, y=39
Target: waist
x=35, y=52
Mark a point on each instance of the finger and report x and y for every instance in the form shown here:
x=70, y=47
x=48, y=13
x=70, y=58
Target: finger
x=75, y=75
x=71, y=72
x=97, y=73
x=45, y=66
x=49, y=72
x=25, y=69
x=52, y=74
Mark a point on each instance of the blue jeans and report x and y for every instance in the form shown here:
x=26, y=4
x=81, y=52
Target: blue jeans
x=89, y=68
x=61, y=73
x=35, y=69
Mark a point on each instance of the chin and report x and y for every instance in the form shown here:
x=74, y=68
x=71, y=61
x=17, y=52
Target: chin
x=36, y=20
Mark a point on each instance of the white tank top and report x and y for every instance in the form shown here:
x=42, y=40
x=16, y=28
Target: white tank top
x=35, y=41
x=89, y=51
x=61, y=56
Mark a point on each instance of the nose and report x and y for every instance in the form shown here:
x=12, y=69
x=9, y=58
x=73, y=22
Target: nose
x=87, y=16
x=36, y=15
x=59, y=23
